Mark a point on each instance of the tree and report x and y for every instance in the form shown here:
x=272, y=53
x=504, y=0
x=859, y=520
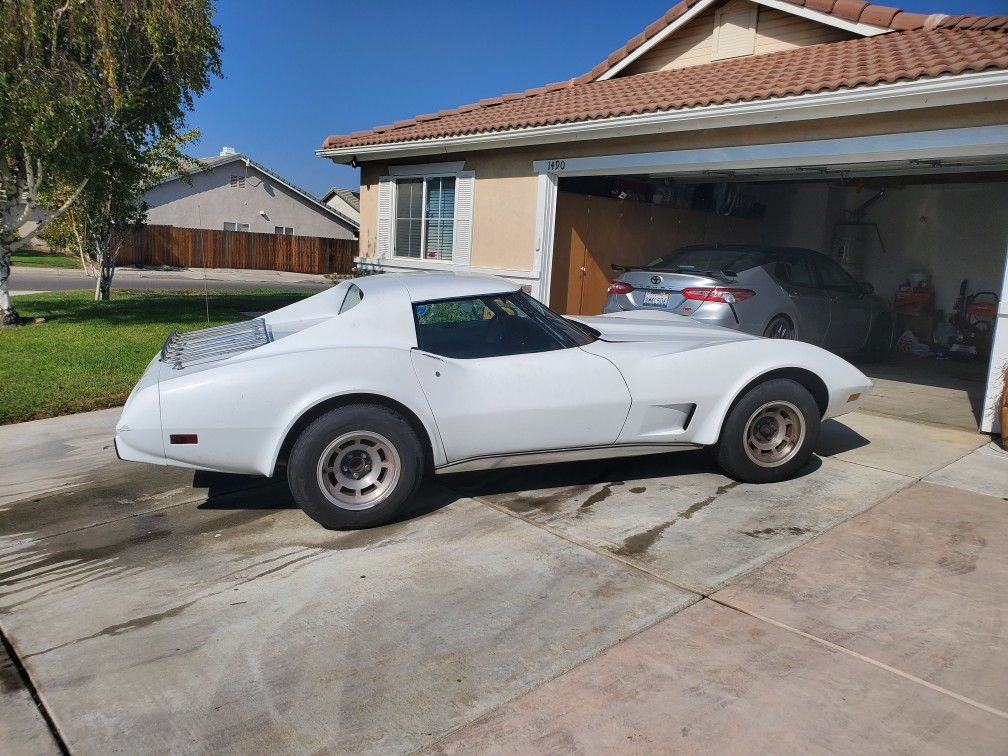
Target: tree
x=111, y=207
x=89, y=87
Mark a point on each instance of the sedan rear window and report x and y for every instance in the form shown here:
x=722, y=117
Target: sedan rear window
x=704, y=260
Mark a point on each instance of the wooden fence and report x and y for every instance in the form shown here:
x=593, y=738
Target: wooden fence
x=205, y=248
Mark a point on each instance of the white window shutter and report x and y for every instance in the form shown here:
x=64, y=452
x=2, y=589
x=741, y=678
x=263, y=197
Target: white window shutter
x=383, y=235
x=464, y=186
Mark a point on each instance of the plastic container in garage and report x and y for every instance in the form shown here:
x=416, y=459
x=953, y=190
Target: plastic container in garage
x=913, y=301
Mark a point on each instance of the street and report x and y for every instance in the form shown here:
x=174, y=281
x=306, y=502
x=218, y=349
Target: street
x=24, y=280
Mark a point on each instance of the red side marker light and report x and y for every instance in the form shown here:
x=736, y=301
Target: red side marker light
x=854, y=397
x=183, y=438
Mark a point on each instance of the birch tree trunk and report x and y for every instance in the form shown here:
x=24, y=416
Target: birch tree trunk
x=8, y=315
x=106, y=250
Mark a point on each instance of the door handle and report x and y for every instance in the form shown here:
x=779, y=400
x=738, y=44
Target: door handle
x=584, y=269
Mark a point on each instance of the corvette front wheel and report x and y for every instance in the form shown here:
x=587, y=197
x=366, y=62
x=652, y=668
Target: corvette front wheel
x=770, y=433
x=355, y=467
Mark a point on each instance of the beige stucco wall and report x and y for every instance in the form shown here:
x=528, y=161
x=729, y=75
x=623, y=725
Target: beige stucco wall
x=505, y=192
x=504, y=203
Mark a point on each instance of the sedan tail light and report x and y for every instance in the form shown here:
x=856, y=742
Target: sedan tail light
x=717, y=294
x=619, y=287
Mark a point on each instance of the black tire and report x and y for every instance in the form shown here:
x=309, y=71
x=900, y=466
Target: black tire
x=396, y=479
x=779, y=327
x=879, y=344
x=792, y=399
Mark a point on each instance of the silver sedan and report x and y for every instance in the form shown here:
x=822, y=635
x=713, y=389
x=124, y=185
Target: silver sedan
x=781, y=293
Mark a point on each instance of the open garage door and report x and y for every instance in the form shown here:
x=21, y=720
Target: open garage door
x=930, y=240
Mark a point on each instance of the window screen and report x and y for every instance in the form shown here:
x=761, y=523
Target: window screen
x=439, y=218
x=425, y=218
x=409, y=217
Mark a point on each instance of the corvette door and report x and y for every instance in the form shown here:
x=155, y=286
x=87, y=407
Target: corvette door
x=499, y=380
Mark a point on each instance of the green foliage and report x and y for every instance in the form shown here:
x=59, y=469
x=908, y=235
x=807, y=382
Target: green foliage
x=88, y=355
x=90, y=89
x=31, y=259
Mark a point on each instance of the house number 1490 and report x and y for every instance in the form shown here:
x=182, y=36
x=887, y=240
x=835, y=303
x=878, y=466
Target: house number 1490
x=555, y=165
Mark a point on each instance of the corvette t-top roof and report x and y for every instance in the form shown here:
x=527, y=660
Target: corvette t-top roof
x=425, y=287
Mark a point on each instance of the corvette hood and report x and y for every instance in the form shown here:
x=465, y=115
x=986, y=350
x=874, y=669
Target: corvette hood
x=642, y=325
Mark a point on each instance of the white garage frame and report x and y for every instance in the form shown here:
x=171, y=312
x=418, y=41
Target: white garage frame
x=940, y=151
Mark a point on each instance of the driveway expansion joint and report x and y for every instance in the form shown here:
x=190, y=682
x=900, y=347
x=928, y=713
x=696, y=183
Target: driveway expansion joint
x=33, y=691
x=866, y=659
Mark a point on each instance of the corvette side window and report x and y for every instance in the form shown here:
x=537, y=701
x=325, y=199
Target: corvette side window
x=487, y=326
x=353, y=298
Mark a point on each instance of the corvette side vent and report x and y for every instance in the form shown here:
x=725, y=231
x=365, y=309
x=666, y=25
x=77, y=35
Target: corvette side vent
x=211, y=344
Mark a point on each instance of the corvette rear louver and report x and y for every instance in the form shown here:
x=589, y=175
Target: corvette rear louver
x=217, y=343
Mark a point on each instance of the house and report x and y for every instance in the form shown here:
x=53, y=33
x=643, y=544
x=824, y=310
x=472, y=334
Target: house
x=345, y=201
x=231, y=192
x=876, y=135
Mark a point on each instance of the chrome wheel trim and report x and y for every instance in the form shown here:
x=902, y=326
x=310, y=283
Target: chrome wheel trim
x=773, y=434
x=780, y=328
x=358, y=470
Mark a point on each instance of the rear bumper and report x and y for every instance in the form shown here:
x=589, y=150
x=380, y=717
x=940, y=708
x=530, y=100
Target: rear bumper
x=708, y=313
x=138, y=435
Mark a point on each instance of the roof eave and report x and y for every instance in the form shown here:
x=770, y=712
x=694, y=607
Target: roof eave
x=950, y=89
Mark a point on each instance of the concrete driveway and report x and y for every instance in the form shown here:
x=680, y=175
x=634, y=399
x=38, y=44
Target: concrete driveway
x=646, y=605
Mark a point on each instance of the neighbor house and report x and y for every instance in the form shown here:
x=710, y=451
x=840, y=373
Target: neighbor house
x=231, y=192
x=764, y=121
x=345, y=201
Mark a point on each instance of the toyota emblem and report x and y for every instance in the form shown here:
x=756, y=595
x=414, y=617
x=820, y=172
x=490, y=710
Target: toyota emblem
x=656, y=280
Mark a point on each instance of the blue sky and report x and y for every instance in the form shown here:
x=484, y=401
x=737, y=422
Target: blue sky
x=297, y=71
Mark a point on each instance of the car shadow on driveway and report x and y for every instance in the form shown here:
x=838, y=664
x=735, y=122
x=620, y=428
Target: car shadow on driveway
x=592, y=473
x=836, y=438
x=251, y=492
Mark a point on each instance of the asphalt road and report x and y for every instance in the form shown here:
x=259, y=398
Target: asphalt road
x=24, y=280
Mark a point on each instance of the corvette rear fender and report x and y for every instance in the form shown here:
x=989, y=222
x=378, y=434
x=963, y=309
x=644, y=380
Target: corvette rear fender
x=427, y=435
x=244, y=411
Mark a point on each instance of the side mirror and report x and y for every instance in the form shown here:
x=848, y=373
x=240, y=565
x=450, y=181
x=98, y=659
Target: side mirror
x=866, y=288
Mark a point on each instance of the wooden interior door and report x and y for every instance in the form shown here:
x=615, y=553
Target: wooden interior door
x=569, y=253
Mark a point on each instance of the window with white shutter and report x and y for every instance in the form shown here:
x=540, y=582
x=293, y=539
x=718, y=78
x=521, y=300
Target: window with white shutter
x=426, y=217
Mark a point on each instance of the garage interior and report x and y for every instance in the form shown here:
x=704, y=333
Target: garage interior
x=914, y=232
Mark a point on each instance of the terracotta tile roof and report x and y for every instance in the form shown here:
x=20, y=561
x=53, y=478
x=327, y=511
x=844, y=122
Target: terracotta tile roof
x=854, y=11
x=886, y=58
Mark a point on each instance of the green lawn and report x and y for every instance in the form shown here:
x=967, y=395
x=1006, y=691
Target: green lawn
x=31, y=259
x=87, y=355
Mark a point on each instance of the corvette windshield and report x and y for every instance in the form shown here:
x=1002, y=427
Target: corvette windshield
x=494, y=325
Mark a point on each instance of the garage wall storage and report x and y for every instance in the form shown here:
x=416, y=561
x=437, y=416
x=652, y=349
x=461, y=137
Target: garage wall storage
x=594, y=232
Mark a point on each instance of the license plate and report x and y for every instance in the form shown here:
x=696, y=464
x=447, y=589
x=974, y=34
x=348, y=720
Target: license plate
x=656, y=298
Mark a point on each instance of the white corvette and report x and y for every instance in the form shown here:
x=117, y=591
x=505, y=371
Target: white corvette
x=362, y=390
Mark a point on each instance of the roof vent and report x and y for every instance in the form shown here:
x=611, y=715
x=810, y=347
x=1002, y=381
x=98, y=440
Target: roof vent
x=227, y=151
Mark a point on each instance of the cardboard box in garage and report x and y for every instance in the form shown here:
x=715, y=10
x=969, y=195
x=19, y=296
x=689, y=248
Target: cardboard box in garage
x=921, y=326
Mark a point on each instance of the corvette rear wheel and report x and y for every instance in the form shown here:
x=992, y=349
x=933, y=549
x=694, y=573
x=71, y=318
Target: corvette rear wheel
x=355, y=467
x=770, y=433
